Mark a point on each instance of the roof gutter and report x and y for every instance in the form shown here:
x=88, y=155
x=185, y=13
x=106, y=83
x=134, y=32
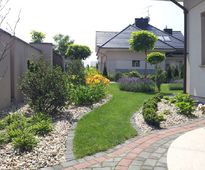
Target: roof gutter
x=185, y=41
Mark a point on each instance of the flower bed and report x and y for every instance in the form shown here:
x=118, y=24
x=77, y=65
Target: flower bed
x=134, y=84
x=172, y=114
x=50, y=149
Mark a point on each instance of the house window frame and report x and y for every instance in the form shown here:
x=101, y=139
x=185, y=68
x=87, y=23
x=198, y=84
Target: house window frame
x=202, y=38
x=135, y=63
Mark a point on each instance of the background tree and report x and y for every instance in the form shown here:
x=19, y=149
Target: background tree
x=37, y=37
x=142, y=41
x=62, y=43
x=78, y=52
x=155, y=58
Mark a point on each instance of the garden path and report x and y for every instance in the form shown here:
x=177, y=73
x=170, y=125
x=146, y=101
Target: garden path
x=147, y=152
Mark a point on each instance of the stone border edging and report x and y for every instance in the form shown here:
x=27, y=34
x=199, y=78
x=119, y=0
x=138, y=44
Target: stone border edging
x=71, y=133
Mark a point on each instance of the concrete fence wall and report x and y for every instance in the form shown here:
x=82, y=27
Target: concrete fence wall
x=13, y=65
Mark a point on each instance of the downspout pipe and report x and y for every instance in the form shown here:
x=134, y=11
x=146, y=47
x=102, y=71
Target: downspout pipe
x=185, y=41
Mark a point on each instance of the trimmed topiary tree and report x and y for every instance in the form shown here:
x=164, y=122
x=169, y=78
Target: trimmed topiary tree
x=155, y=58
x=78, y=52
x=142, y=41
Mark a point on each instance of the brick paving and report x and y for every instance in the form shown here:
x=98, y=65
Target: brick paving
x=140, y=153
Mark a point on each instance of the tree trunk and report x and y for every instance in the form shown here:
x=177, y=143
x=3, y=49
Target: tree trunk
x=145, y=72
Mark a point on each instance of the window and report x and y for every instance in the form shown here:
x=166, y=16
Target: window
x=203, y=38
x=135, y=63
x=161, y=38
x=166, y=38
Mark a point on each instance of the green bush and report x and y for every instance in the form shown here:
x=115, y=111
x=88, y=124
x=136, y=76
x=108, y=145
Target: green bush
x=150, y=111
x=76, y=72
x=184, y=103
x=132, y=74
x=118, y=76
x=25, y=141
x=185, y=108
x=89, y=94
x=3, y=138
x=175, y=86
x=151, y=117
x=2, y=124
x=40, y=124
x=45, y=88
x=41, y=128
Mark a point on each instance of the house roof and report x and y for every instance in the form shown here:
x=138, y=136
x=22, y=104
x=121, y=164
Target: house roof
x=119, y=40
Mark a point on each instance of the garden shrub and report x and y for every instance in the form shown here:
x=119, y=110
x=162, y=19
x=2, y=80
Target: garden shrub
x=3, y=137
x=151, y=117
x=136, y=85
x=118, y=76
x=185, y=108
x=89, y=94
x=40, y=124
x=175, y=86
x=132, y=74
x=45, y=88
x=184, y=103
x=150, y=111
x=76, y=72
x=2, y=124
x=25, y=141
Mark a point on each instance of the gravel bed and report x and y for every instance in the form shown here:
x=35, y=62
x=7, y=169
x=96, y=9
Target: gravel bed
x=173, y=118
x=51, y=149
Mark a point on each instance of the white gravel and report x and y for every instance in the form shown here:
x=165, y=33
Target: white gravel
x=173, y=118
x=51, y=150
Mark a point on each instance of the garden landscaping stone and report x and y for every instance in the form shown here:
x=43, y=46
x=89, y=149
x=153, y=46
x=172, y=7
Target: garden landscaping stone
x=173, y=118
x=142, y=152
x=52, y=149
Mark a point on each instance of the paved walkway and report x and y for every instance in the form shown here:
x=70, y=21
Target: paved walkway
x=140, y=153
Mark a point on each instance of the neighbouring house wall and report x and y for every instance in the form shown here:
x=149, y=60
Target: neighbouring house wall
x=58, y=61
x=191, y=3
x=5, y=81
x=195, y=70
x=47, y=50
x=121, y=61
x=21, y=53
x=175, y=60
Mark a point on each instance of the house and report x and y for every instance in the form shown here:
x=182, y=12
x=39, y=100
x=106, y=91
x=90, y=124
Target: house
x=194, y=11
x=14, y=56
x=113, y=51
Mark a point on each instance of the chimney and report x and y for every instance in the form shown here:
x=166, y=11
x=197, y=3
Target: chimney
x=168, y=30
x=142, y=22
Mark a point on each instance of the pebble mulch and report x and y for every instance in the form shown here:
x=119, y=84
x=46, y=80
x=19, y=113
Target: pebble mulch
x=51, y=149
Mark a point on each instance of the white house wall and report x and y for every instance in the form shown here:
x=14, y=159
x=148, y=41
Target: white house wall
x=121, y=61
x=196, y=72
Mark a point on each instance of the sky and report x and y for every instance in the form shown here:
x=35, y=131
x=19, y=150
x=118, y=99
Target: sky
x=80, y=19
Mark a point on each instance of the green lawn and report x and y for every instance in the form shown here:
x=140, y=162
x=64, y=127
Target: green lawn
x=109, y=125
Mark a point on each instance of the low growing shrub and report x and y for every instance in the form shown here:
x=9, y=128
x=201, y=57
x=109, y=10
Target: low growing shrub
x=132, y=74
x=3, y=138
x=88, y=94
x=25, y=141
x=175, y=86
x=150, y=111
x=151, y=117
x=185, y=108
x=2, y=124
x=136, y=85
x=40, y=124
x=184, y=103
